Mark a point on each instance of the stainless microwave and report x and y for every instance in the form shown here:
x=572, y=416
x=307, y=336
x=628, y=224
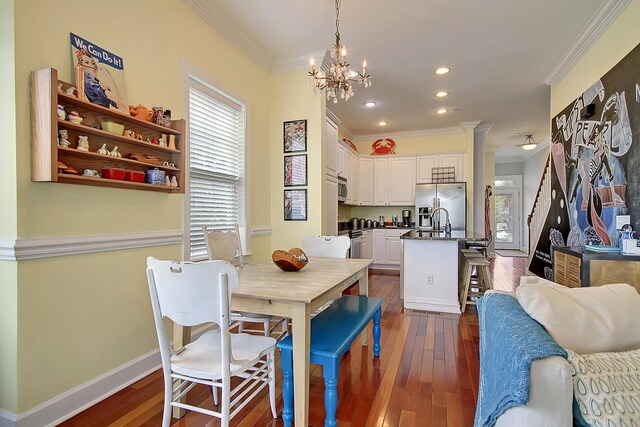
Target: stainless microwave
x=342, y=189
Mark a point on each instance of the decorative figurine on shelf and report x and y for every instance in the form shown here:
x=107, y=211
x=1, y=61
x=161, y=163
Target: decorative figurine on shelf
x=63, y=136
x=155, y=141
x=174, y=182
x=83, y=143
x=74, y=117
x=141, y=112
x=103, y=150
x=115, y=152
x=140, y=137
x=130, y=134
x=71, y=91
x=167, y=181
x=172, y=142
x=91, y=172
x=59, y=87
x=157, y=115
x=161, y=142
x=61, y=113
x=166, y=119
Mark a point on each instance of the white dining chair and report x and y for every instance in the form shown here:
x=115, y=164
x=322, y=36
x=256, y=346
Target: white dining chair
x=227, y=246
x=327, y=247
x=191, y=294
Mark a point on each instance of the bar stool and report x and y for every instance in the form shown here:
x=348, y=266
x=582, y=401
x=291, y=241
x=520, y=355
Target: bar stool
x=477, y=261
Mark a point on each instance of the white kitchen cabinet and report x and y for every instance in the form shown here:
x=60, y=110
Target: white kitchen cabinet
x=342, y=161
x=401, y=185
x=367, y=244
x=394, y=181
x=330, y=212
x=353, y=179
x=331, y=148
x=379, y=246
x=386, y=248
x=365, y=195
x=427, y=162
x=380, y=182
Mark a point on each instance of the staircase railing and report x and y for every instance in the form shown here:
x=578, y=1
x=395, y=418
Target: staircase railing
x=539, y=210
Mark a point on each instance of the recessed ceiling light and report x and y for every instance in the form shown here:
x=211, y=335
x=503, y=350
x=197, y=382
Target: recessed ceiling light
x=441, y=111
x=382, y=123
x=370, y=104
x=442, y=70
x=442, y=94
x=353, y=73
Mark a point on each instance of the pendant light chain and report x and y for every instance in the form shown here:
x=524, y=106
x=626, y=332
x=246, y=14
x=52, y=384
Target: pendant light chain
x=338, y=2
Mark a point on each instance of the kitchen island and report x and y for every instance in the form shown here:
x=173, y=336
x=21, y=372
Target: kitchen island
x=430, y=269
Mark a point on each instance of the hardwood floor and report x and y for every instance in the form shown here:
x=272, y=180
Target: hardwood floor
x=426, y=375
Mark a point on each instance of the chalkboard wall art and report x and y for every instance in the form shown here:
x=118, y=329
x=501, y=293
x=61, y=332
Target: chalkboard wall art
x=595, y=164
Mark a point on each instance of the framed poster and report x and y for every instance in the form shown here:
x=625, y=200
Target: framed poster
x=99, y=75
x=295, y=136
x=295, y=205
x=295, y=170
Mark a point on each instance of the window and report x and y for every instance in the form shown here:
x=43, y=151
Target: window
x=216, y=165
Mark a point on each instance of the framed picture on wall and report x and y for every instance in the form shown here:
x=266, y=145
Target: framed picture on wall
x=295, y=170
x=295, y=205
x=295, y=136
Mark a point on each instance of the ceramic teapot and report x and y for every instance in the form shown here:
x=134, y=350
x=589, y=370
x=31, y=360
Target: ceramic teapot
x=141, y=112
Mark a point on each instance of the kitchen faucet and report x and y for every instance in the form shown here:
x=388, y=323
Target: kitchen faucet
x=447, y=224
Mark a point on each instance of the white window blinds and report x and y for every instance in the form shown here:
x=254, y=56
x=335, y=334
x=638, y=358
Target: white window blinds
x=216, y=164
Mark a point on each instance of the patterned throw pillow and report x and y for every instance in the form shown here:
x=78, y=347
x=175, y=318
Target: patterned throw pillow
x=606, y=388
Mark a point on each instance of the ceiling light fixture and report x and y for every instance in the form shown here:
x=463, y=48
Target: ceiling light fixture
x=441, y=111
x=340, y=76
x=370, y=104
x=442, y=94
x=529, y=143
x=382, y=123
x=442, y=70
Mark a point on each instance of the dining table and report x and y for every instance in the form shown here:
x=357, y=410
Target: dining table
x=265, y=289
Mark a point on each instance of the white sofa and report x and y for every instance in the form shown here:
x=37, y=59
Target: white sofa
x=587, y=320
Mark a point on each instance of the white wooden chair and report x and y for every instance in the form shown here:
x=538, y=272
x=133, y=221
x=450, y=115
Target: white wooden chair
x=327, y=247
x=192, y=294
x=226, y=246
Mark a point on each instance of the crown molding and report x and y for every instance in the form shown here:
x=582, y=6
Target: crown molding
x=333, y=117
x=298, y=62
x=601, y=20
x=214, y=16
x=471, y=124
x=411, y=133
x=483, y=128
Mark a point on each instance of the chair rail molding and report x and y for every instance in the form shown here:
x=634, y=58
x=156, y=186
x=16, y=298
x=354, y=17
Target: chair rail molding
x=262, y=230
x=46, y=247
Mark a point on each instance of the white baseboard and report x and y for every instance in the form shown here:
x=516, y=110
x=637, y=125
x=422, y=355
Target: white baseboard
x=76, y=400
x=437, y=306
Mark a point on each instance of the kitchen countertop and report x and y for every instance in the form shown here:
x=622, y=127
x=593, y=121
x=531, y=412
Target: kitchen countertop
x=439, y=235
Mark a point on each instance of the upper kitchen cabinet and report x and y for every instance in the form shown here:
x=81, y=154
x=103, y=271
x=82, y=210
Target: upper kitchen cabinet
x=394, y=181
x=331, y=149
x=353, y=178
x=365, y=195
x=425, y=164
x=342, y=161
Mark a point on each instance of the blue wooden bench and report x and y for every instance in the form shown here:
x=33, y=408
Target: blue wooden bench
x=332, y=333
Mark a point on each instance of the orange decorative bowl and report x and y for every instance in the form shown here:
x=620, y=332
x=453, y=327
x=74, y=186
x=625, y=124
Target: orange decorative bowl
x=292, y=260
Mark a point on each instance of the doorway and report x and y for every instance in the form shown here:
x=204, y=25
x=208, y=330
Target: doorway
x=507, y=211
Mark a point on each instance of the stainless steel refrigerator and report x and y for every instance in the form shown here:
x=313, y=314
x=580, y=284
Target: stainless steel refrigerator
x=451, y=196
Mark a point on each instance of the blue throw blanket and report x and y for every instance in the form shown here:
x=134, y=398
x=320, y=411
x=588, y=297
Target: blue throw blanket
x=509, y=341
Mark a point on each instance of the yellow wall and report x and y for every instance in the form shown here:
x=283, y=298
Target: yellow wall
x=613, y=45
x=90, y=313
x=292, y=98
x=8, y=336
x=419, y=144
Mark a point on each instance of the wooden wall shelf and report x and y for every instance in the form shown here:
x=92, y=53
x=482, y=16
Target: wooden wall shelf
x=45, y=152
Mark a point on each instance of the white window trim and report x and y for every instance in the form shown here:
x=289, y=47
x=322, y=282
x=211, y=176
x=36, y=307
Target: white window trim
x=188, y=71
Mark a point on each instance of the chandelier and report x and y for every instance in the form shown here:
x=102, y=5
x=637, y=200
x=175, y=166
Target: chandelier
x=529, y=143
x=340, y=76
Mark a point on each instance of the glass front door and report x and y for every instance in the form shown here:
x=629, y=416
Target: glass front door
x=507, y=218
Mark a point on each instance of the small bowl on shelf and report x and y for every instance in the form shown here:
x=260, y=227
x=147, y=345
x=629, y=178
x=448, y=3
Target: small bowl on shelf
x=134, y=176
x=112, y=127
x=113, y=173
